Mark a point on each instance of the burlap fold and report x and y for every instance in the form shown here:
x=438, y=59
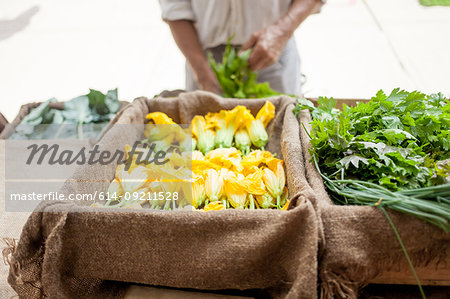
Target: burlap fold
x=3, y=122
x=359, y=242
x=68, y=250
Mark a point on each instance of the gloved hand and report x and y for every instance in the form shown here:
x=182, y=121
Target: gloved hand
x=267, y=44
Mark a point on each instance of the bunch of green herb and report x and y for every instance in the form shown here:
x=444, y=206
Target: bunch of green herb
x=236, y=78
x=392, y=152
x=82, y=117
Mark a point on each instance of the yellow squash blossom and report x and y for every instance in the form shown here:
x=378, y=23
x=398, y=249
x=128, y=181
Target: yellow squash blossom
x=166, y=129
x=257, y=158
x=257, y=130
x=160, y=118
x=235, y=191
x=214, y=184
x=214, y=206
x=115, y=189
x=156, y=132
x=258, y=134
x=254, y=183
x=214, y=121
x=202, y=166
x=275, y=182
x=242, y=141
x=198, y=191
x=266, y=113
x=228, y=126
x=134, y=179
x=204, y=136
x=265, y=201
x=229, y=158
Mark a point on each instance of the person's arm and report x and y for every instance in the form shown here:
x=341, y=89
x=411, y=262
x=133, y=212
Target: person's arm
x=269, y=42
x=186, y=37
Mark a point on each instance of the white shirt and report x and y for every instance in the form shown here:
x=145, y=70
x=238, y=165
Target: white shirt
x=218, y=20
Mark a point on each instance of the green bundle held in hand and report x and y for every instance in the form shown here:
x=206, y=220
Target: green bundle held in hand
x=236, y=78
x=393, y=151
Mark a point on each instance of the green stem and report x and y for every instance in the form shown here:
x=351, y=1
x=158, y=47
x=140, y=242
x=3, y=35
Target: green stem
x=307, y=133
x=405, y=252
x=252, y=202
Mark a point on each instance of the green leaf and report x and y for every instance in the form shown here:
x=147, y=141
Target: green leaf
x=78, y=111
x=354, y=160
x=235, y=77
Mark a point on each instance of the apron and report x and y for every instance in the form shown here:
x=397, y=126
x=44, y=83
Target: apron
x=283, y=76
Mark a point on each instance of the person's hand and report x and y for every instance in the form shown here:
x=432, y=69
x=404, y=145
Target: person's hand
x=207, y=80
x=267, y=44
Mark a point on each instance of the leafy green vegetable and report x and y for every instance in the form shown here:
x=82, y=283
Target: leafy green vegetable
x=94, y=107
x=434, y=2
x=398, y=138
x=392, y=151
x=236, y=78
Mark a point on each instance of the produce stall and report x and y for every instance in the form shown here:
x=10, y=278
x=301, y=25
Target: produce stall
x=80, y=248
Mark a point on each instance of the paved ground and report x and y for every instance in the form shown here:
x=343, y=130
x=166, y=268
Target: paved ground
x=62, y=48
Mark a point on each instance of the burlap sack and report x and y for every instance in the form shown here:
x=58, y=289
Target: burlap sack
x=359, y=243
x=3, y=122
x=73, y=251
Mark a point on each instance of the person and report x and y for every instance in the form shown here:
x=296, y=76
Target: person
x=266, y=26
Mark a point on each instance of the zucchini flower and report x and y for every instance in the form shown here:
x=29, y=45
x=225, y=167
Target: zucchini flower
x=135, y=179
x=229, y=158
x=160, y=118
x=257, y=130
x=275, y=182
x=214, y=206
x=194, y=144
x=228, y=125
x=115, y=189
x=235, y=191
x=265, y=201
x=266, y=113
x=242, y=141
x=254, y=183
x=200, y=167
x=204, y=136
x=241, y=138
x=198, y=192
x=256, y=158
x=258, y=134
x=214, y=184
